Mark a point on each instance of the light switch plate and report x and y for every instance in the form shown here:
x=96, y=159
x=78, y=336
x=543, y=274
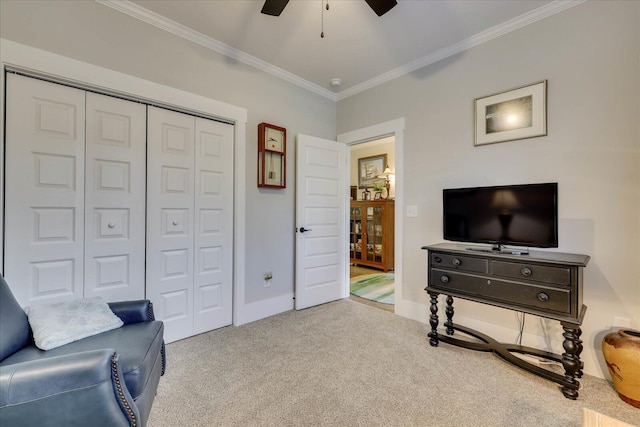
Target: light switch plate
x=412, y=211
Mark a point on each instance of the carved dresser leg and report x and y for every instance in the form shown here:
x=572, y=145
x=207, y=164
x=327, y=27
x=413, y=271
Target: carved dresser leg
x=570, y=359
x=449, y=312
x=433, y=319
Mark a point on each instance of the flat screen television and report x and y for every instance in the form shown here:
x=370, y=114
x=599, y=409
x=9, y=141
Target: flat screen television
x=520, y=215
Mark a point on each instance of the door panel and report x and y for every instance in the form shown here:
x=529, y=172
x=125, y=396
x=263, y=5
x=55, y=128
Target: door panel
x=321, y=204
x=115, y=198
x=170, y=219
x=44, y=182
x=213, y=269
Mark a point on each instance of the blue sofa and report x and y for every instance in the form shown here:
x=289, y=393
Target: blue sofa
x=109, y=379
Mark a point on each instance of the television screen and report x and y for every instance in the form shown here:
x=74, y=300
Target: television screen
x=522, y=215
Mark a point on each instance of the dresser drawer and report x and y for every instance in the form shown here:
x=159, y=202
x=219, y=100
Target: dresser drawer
x=538, y=273
x=518, y=294
x=463, y=263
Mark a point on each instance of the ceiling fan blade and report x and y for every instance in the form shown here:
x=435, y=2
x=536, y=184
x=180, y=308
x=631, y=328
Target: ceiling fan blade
x=380, y=7
x=274, y=7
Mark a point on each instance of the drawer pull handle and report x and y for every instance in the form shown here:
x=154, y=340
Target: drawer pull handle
x=543, y=297
x=526, y=271
x=437, y=259
x=456, y=262
x=444, y=279
x=111, y=225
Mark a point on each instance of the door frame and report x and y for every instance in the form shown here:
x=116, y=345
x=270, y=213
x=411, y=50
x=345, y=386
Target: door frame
x=61, y=69
x=396, y=129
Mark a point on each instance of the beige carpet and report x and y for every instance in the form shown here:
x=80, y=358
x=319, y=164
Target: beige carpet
x=348, y=364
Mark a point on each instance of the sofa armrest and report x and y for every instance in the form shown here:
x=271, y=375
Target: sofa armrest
x=66, y=390
x=133, y=311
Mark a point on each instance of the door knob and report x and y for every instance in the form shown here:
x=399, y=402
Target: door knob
x=302, y=229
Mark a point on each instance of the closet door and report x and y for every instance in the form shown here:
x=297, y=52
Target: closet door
x=213, y=274
x=115, y=198
x=44, y=181
x=170, y=219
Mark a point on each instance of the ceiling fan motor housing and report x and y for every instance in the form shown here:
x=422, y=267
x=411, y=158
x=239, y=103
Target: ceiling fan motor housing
x=275, y=7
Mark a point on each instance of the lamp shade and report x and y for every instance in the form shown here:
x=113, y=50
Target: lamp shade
x=387, y=171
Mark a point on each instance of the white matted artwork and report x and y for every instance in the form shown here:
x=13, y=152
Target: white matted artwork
x=515, y=114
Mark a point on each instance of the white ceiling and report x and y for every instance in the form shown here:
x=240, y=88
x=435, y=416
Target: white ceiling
x=359, y=47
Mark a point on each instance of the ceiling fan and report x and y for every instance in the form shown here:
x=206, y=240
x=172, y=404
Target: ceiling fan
x=275, y=7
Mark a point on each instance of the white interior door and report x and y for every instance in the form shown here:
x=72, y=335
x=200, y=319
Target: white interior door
x=321, y=203
x=44, y=211
x=170, y=219
x=115, y=198
x=213, y=269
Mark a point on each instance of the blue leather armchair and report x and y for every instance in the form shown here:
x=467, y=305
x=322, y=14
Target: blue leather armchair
x=109, y=379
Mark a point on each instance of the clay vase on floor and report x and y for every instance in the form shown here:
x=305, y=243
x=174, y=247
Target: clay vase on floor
x=621, y=351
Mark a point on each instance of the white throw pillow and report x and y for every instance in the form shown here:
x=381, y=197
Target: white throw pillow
x=58, y=324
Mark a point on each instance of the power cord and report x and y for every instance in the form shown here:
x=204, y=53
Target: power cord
x=520, y=316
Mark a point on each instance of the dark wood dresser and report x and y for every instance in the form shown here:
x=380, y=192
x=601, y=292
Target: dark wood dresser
x=546, y=284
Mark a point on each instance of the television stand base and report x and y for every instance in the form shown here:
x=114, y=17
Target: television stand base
x=545, y=284
x=507, y=352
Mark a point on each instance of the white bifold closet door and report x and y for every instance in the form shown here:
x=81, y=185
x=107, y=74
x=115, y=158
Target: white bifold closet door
x=115, y=198
x=44, y=190
x=189, y=222
x=75, y=188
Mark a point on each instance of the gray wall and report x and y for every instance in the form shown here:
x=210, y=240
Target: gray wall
x=96, y=34
x=590, y=56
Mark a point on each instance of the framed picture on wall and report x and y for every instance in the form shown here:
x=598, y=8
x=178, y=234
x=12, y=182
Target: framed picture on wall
x=515, y=114
x=370, y=169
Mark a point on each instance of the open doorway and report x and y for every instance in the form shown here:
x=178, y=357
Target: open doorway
x=372, y=222
x=395, y=128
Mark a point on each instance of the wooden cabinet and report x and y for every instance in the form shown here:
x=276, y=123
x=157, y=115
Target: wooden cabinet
x=371, y=236
x=545, y=284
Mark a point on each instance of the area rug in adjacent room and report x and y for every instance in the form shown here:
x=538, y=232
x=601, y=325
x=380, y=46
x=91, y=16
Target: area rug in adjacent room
x=377, y=287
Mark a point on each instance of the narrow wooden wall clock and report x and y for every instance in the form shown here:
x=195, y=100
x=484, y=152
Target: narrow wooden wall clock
x=272, y=151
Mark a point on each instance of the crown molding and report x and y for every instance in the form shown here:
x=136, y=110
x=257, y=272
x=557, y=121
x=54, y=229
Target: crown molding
x=473, y=41
x=145, y=15
x=159, y=21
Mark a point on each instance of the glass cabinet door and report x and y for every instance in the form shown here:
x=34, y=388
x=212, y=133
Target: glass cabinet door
x=355, y=234
x=374, y=233
x=370, y=227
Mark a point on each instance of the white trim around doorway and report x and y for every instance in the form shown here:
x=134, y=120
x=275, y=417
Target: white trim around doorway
x=391, y=128
x=47, y=65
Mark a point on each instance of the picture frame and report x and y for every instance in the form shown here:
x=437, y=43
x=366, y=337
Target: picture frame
x=272, y=151
x=369, y=170
x=377, y=195
x=511, y=115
